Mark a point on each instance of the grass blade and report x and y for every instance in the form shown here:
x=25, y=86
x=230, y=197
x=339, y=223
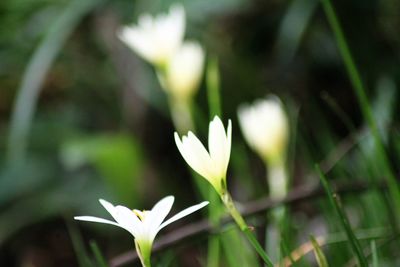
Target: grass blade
x=100, y=261
x=359, y=89
x=319, y=255
x=77, y=243
x=292, y=28
x=35, y=73
x=333, y=199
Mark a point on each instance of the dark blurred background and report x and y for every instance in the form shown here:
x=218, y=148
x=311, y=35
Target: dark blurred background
x=93, y=122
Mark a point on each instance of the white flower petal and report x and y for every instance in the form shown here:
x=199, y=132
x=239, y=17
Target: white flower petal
x=156, y=38
x=138, y=41
x=95, y=219
x=157, y=214
x=129, y=221
x=183, y=73
x=183, y=213
x=194, y=153
x=145, y=229
x=265, y=128
x=217, y=145
x=199, y=155
x=109, y=207
x=211, y=166
x=228, y=144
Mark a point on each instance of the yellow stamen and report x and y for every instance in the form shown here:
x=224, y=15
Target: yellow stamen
x=140, y=214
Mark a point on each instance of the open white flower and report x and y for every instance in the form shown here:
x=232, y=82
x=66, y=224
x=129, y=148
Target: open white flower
x=265, y=128
x=156, y=39
x=143, y=225
x=184, y=70
x=211, y=165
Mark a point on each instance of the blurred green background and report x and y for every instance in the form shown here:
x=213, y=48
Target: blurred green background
x=83, y=118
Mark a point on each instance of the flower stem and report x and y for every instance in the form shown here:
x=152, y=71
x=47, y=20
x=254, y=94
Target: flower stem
x=181, y=114
x=143, y=254
x=228, y=202
x=146, y=263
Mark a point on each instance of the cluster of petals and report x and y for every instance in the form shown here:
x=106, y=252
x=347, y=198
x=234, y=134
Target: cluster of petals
x=143, y=225
x=184, y=70
x=156, y=39
x=265, y=127
x=212, y=164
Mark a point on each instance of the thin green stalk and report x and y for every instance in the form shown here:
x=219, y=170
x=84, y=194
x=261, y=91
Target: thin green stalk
x=286, y=251
x=214, y=105
x=78, y=246
x=144, y=254
x=360, y=91
x=213, y=254
x=230, y=206
x=375, y=262
x=319, y=255
x=333, y=199
x=213, y=88
x=100, y=261
x=277, y=181
x=181, y=113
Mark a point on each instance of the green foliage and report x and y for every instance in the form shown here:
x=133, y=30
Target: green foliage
x=333, y=199
x=82, y=118
x=118, y=159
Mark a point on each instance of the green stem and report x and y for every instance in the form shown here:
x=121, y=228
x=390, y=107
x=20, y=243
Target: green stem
x=360, y=91
x=147, y=263
x=278, y=184
x=214, y=106
x=181, y=113
x=214, y=217
x=144, y=254
x=228, y=202
x=213, y=88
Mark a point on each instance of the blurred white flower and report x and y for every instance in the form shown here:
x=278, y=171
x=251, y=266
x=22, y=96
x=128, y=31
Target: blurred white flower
x=143, y=225
x=265, y=128
x=184, y=70
x=211, y=165
x=156, y=39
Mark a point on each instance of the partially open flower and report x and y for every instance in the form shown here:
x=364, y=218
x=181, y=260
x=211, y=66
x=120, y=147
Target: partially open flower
x=156, y=39
x=265, y=128
x=183, y=72
x=143, y=225
x=211, y=165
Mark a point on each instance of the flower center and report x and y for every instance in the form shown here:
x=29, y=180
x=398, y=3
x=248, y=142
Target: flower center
x=141, y=214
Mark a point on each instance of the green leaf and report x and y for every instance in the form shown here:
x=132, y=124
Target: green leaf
x=117, y=157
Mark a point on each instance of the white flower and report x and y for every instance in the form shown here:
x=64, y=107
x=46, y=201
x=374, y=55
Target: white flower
x=184, y=70
x=156, y=39
x=265, y=128
x=211, y=165
x=143, y=225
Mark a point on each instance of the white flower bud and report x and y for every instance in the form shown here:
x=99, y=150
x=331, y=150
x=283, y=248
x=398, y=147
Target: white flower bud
x=184, y=71
x=265, y=128
x=156, y=39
